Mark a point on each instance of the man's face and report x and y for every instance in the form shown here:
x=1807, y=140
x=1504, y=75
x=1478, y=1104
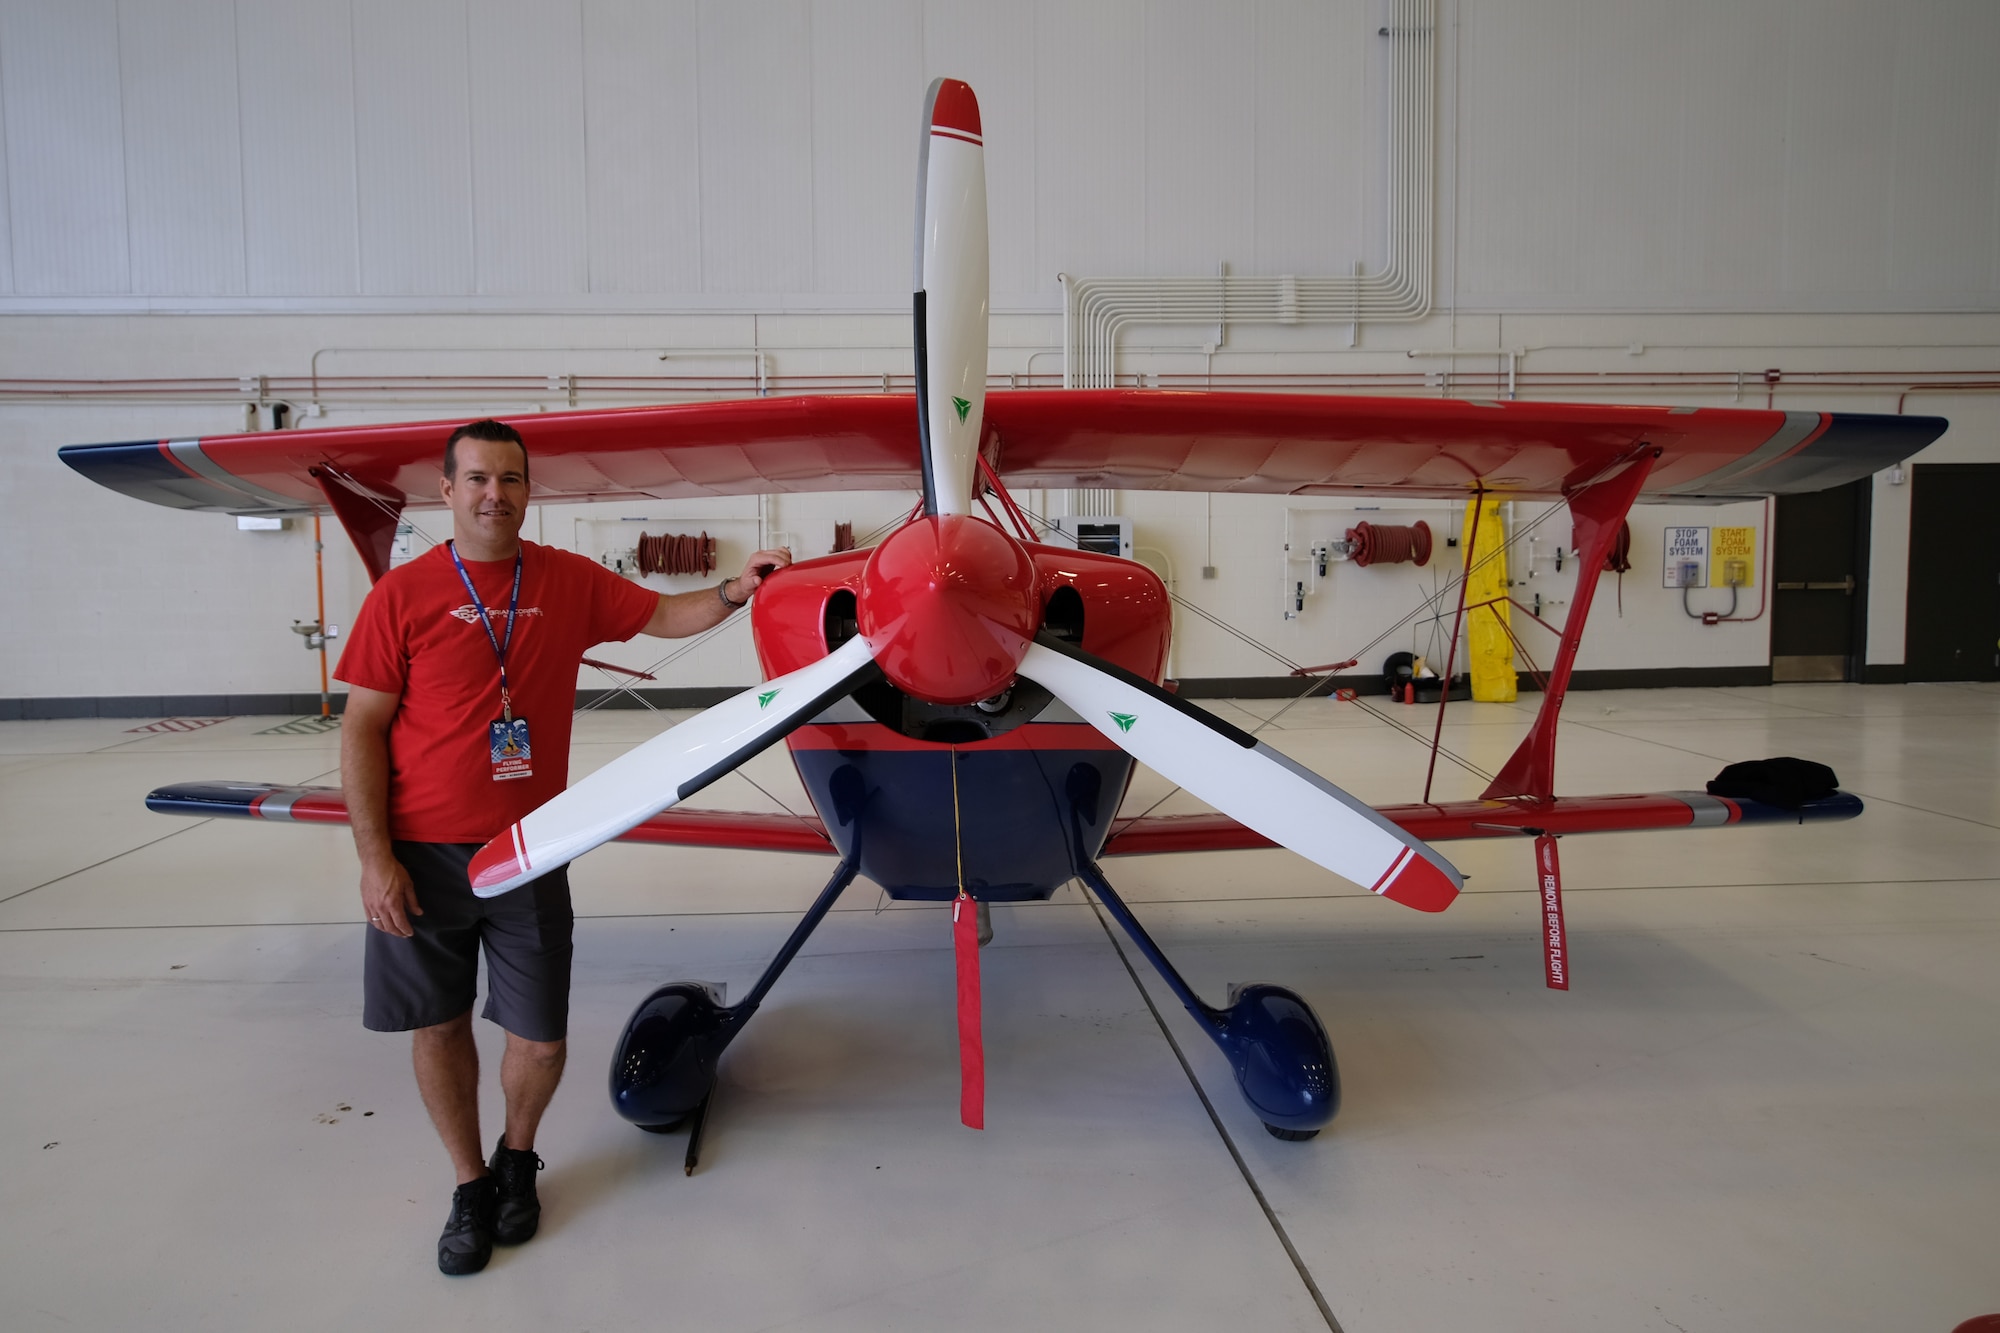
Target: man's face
x=489, y=496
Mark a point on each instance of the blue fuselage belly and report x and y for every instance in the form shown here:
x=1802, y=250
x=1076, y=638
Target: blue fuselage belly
x=896, y=810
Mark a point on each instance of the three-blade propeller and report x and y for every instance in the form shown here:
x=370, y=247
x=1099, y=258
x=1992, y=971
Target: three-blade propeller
x=949, y=610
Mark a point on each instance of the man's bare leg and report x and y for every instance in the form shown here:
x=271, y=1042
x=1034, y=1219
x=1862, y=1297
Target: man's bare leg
x=447, y=1064
x=529, y=1073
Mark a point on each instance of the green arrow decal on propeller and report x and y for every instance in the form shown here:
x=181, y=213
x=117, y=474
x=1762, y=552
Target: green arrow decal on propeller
x=1124, y=720
x=764, y=699
x=962, y=406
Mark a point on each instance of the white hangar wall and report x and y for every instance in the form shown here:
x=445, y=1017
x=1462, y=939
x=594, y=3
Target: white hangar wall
x=192, y=188
x=1698, y=155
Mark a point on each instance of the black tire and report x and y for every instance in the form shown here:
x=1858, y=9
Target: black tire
x=1292, y=1135
x=1397, y=670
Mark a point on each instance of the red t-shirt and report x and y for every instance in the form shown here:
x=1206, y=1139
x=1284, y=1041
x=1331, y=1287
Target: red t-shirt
x=418, y=636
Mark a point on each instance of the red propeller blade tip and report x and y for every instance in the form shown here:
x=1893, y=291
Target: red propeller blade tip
x=1414, y=882
x=498, y=861
x=956, y=108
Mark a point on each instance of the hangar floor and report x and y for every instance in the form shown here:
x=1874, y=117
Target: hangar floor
x=1771, y=1102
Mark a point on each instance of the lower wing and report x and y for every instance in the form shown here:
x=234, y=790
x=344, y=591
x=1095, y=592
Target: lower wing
x=1145, y=835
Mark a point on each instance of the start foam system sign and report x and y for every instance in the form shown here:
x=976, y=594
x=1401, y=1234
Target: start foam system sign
x=1733, y=558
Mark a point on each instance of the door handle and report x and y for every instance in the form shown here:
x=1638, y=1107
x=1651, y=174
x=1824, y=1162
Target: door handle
x=1846, y=585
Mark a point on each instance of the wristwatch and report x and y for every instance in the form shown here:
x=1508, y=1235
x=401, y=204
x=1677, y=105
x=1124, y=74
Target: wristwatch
x=720, y=592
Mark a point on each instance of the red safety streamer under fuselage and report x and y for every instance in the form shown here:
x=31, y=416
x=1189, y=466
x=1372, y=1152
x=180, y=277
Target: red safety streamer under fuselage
x=971, y=1044
x=1548, y=885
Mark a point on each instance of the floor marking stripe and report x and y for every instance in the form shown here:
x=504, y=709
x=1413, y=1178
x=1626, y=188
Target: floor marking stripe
x=107, y=860
x=792, y=913
x=1270, y=1214
x=1703, y=754
x=128, y=851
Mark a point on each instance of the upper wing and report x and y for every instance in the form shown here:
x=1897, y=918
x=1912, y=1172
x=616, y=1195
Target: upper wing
x=1323, y=444
x=1131, y=439
x=740, y=447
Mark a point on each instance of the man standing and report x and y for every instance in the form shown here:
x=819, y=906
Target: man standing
x=461, y=667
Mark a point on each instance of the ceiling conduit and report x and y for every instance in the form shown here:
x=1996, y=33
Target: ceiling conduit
x=1096, y=309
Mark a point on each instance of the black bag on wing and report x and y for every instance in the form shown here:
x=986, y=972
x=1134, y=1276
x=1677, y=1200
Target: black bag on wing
x=1785, y=782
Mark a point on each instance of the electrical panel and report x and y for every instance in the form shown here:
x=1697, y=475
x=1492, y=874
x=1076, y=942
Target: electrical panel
x=1090, y=532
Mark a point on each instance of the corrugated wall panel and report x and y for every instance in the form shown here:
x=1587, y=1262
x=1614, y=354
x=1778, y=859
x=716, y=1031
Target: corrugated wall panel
x=527, y=146
x=991, y=47
x=1319, y=193
x=1947, y=128
x=65, y=146
x=1090, y=137
x=1201, y=135
x=642, y=120
x=1610, y=154
x=1839, y=137
x=183, y=157
x=867, y=79
x=1517, y=156
x=1733, y=161
x=756, y=146
x=413, y=147
x=295, y=73
x=1630, y=145
x=6, y=228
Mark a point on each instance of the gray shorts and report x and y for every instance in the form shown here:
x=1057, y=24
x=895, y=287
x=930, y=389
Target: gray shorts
x=432, y=976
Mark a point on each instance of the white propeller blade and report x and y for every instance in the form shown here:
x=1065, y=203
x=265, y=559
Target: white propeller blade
x=1247, y=780
x=951, y=295
x=669, y=768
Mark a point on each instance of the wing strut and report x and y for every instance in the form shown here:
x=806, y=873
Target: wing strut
x=369, y=519
x=1599, y=505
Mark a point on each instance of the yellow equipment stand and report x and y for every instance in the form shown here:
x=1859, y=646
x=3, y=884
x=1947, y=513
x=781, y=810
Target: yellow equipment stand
x=1489, y=647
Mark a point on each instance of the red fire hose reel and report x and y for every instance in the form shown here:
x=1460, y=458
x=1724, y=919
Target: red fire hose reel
x=676, y=554
x=1389, y=544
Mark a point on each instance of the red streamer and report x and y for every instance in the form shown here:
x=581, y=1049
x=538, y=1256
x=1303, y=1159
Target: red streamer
x=971, y=1044
x=1548, y=884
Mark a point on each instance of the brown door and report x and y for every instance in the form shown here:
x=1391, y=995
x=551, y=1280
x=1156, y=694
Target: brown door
x=1954, y=621
x=1819, y=588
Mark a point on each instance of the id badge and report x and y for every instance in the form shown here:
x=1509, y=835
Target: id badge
x=511, y=756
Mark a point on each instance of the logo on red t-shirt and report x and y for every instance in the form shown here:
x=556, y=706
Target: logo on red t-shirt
x=470, y=615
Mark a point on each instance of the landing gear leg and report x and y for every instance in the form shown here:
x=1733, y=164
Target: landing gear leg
x=1272, y=1039
x=663, y=1069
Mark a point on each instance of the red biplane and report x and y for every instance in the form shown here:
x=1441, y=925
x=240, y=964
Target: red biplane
x=963, y=703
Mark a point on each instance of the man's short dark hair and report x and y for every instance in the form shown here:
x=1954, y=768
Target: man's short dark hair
x=497, y=431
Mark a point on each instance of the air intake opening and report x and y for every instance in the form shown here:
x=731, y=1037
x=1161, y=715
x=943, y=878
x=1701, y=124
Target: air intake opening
x=1063, y=617
x=842, y=619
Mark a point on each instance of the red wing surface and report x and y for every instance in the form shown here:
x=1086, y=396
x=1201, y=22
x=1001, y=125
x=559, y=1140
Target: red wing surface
x=1129, y=439
x=1444, y=822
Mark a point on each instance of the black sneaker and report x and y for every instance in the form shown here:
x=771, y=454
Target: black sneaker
x=467, y=1242
x=520, y=1210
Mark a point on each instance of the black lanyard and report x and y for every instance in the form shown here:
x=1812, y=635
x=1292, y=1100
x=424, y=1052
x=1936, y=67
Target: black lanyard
x=499, y=646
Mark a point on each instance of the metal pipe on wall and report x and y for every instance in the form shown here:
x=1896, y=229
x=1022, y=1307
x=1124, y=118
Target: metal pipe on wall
x=1096, y=309
x=498, y=393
